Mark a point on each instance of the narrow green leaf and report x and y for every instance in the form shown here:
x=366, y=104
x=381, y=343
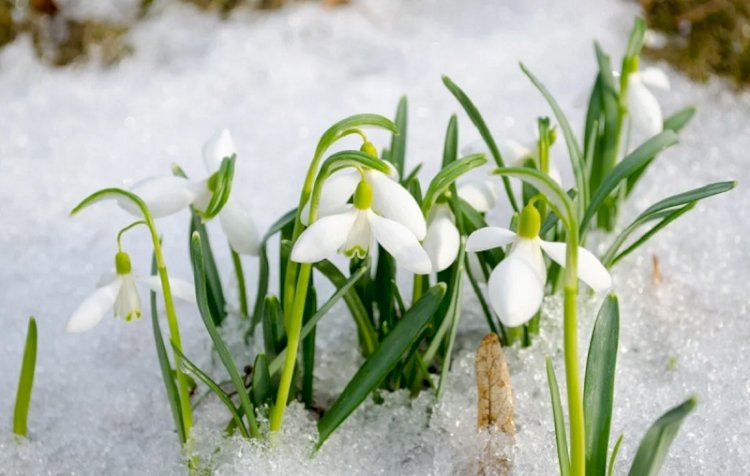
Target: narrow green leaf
x=222, y=188
x=273, y=326
x=263, y=265
x=625, y=168
x=448, y=175
x=397, y=153
x=561, y=440
x=613, y=456
x=216, y=300
x=308, y=349
x=25, y=381
x=199, y=274
x=599, y=385
x=173, y=396
x=655, y=444
x=453, y=315
x=342, y=291
x=677, y=121
x=667, y=210
x=241, y=287
x=353, y=302
x=215, y=388
x=476, y=118
x=262, y=387
x=381, y=362
x=558, y=200
x=574, y=150
x=450, y=145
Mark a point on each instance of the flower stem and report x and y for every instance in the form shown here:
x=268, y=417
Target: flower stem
x=572, y=376
x=293, y=333
x=237, y=262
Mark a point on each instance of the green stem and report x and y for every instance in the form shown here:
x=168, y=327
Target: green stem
x=237, y=262
x=293, y=334
x=417, y=289
x=572, y=377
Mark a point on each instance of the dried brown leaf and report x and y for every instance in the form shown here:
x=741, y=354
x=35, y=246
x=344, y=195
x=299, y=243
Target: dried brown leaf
x=494, y=406
x=494, y=390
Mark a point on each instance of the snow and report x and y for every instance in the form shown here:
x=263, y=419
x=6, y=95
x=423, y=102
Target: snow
x=277, y=80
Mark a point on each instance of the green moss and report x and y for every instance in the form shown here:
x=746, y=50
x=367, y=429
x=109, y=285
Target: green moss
x=704, y=37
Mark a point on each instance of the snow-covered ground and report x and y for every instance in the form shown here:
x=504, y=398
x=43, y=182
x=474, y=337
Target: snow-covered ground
x=278, y=80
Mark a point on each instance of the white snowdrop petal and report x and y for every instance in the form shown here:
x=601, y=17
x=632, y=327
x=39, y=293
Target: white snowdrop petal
x=164, y=195
x=179, y=287
x=336, y=192
x=590, y=270
x=92, y=309
x=554, y=174
x=481, y=194
x=324, y=237
x=401, y=243
x=654, y=77
x=239, y=228
x=644, y=109
x=215, y=149
x=128, y=302
x=515, y=291
x=359, y=239
x=529, y=250
x=513, y=152
x=443, y=239
x=488, y=238
x=394, y=202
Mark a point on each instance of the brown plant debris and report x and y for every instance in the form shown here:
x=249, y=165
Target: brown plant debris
x=703, y=37
x=494, y=391
x=656, y=275
x=494, y=404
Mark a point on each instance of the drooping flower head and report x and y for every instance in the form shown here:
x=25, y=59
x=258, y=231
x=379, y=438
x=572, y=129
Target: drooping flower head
x=516, y=285
x=119, y=293
x=443, y=240
x=166, y=195
x=645, y=112
x=381, y=211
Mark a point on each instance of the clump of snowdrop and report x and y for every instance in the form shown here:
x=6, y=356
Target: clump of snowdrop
x=366, y=206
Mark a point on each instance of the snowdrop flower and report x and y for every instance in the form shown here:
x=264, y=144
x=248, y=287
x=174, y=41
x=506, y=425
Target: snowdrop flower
x=443, y=239
x=118, y=292
x=382, y=211
x=516, y=285
x=644, y=109
x=166, y=195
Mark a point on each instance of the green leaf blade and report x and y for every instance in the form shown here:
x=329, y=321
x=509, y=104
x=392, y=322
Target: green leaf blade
x=599, y=385
x=655, y=444
x=381, y=362
x=25, y=381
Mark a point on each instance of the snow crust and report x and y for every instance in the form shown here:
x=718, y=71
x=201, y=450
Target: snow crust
x=277, y=80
